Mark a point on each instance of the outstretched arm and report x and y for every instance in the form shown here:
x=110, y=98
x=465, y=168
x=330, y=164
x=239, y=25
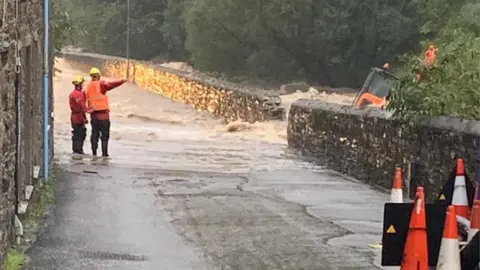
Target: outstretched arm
x=107, y=86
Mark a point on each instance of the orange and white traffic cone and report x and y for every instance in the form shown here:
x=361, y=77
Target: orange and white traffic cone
x=415, y=255
x=396, y=195
x=475, y=220
x=459, y=198
x=449, y=255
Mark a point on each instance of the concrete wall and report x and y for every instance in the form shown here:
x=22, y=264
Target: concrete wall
x=23, y=43
x=223, y=99
x=368, y=144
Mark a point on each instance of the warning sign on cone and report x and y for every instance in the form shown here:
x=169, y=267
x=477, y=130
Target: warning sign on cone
x=391, y=229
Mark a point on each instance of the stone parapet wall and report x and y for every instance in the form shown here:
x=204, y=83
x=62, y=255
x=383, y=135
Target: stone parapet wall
x=20, y=76
x=225, y=100
x=365, y=144
x=368, y=144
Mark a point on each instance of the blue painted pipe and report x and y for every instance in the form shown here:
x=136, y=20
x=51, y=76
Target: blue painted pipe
x=18, y=120
x=46, y=98
x=477, y=174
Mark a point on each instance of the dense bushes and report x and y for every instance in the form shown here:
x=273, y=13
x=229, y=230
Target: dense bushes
x=326, y=42
x=451, y=87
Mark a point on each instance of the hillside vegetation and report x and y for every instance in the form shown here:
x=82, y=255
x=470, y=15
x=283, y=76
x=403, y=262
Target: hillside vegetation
x=327, y=42
x=452, y=86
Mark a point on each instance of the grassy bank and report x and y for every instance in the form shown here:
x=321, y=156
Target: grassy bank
x=39, y=208
x=15, y=260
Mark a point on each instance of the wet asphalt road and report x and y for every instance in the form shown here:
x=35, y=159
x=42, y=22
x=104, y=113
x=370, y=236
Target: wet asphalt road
x=181, y=193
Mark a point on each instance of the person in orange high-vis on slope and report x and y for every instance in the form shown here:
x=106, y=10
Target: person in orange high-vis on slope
x=386, y=67
x=429, y=60
x=97, y=101
x=430, y=56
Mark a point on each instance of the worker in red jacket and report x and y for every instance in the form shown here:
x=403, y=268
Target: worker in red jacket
x=78, y=117
x=97, y=100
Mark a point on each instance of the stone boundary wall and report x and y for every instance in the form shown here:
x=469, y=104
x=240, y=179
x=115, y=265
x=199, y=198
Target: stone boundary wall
x=223, y=99
x=21, y=81
x=368, y=144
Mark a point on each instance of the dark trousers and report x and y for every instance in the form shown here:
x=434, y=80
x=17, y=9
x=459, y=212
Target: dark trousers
x=79, y=133
x=100, y=130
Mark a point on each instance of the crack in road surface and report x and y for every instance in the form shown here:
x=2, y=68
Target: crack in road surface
x=194, y=196
x=238, y=230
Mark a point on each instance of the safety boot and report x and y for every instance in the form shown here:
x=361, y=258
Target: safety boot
x=94, y=148
x=104, y=148
x=74, y=146
x=77, y=147
x=80, y=147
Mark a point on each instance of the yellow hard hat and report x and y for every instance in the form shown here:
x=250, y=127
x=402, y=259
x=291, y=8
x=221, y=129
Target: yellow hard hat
x=94, y=71
x=78, y=80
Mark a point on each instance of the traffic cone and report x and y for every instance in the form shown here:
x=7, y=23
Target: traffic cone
x=475, y=220
x=449, y=255
x=459, y=198
x=415, y=255
x=396, y=195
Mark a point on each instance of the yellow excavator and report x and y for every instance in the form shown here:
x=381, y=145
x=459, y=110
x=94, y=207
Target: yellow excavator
x=376, y=89
x=379, y=83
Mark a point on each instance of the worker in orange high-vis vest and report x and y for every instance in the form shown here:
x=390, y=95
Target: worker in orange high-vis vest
x=386, y=67
x=97, y=101
x=430, y=56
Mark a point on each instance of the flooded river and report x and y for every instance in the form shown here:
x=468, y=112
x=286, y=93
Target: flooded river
x=186, y=192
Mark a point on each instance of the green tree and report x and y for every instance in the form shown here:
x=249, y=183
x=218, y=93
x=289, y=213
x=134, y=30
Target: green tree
x=89, y=21
x=327, y=42
x=62, y=28
x=104, y=28
x=173, y=30
x=451, y=87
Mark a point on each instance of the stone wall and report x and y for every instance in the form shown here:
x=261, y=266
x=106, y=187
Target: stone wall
x=223, y=99
x=21, y=59
x=368, y=144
